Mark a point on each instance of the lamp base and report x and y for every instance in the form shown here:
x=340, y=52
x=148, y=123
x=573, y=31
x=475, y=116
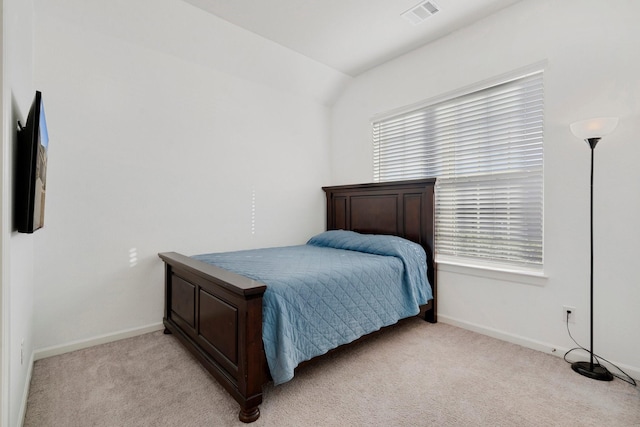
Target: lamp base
x=598, y=372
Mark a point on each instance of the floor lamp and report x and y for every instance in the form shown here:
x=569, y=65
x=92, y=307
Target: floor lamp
x=592, y=131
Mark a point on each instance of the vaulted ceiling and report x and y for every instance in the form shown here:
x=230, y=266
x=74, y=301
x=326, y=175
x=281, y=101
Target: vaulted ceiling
x=350, y=36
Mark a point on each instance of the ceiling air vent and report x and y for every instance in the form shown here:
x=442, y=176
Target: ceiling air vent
x=420, y=12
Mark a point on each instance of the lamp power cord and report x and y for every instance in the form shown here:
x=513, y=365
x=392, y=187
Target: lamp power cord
x=622, y=376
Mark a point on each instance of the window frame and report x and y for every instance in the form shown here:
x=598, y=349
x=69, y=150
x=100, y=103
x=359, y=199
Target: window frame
x=427, y=108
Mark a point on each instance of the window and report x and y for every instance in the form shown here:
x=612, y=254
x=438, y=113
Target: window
x=486, y=149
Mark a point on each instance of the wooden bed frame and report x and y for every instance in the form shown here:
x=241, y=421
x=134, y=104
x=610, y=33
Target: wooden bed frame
x=217, y=314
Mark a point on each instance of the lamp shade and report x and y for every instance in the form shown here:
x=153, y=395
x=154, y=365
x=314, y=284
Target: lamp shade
x=594, y=128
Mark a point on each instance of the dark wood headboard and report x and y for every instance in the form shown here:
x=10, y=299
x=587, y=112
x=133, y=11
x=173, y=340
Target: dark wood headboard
x=400, y=208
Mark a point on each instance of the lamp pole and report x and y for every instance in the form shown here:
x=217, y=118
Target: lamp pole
x=592, y=143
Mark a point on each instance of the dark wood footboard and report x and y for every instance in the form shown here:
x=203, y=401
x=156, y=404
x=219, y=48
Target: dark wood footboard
x=217, y=315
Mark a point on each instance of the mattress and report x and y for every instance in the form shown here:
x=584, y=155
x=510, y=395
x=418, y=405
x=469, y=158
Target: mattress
x=339, y=286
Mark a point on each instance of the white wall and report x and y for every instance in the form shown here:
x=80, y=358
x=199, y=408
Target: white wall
x=592, y=70
x=167, y=127
x=17, y=249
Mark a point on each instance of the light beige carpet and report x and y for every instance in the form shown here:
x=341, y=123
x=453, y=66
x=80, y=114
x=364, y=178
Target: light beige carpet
x=413, y=374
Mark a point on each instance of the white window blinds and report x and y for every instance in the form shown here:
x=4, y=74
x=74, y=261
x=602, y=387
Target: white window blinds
x=486, y=149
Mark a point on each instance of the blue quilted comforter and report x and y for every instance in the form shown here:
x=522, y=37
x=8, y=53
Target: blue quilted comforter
x=338, y=287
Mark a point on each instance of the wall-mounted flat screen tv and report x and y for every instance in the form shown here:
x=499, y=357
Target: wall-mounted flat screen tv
x=31, y=169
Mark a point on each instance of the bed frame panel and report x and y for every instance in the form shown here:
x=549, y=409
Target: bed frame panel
x=217, y=315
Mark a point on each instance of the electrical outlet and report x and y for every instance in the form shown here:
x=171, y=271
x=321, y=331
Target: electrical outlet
x=570, y=311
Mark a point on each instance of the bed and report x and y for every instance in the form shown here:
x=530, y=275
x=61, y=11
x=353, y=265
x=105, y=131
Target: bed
x=218, y=314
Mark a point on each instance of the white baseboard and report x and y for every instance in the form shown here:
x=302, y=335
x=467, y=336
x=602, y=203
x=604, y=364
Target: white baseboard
x=25, y=393
x=527, y=342
x=90, y=342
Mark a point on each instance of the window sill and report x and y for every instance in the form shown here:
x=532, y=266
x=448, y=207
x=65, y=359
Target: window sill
x=528, y=277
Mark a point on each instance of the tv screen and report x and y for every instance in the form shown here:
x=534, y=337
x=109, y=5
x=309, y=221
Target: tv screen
x=31, y=169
